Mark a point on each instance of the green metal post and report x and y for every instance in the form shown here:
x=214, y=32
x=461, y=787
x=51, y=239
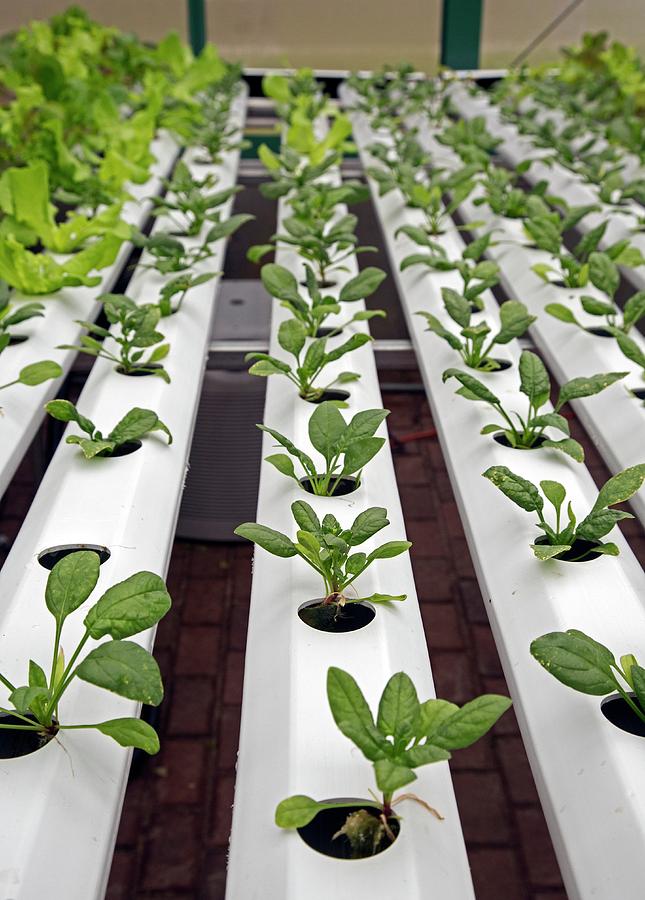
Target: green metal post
x=460, y=33
x=197, y=25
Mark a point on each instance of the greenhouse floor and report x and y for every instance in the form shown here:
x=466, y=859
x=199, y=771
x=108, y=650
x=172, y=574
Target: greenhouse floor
x=174, y=832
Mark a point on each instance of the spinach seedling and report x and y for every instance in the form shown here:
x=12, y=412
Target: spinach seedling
x=118, y=665
x=471, y=140
x=328, y=548
x=136, y=332
x=282, y=285
x=407, y=734
x=574, y=541
x=528, y=430
x=632, y=312
x=474, y=345
x=134, y=425
x=353, y=443
x=189, y=198
x=292, y=337
x=33, y=374
x=477, y=274
x=581, y=663
x=180, y=286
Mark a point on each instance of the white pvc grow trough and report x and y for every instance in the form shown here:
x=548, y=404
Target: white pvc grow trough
x=288, y=741
x=69, y=794
x=588, y=773
x=615, y=419
x=23, y=406
x=562, y=181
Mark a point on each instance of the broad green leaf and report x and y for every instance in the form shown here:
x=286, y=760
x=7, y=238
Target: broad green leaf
x=353, y=343
x=280, y=283
x=384, y=598
x=577, y=661
x=255, y=254
x=473, y=385
x=600, y=522
x=469, y=723
x=559, y=311
x=299, y=810
x=629, y=348
x=70, y=583
x=360, y=452
x=423, y=755
x=305, y=517
x=390, y=775
x=552, y=420
x=282, y=463
x=399, y=710
x=534, y=379
x=634, y=309
x=355, y=563
x=130, y=732
x=518, y=489
x=364, y=424
x=457, y=307
x=389, y=550
x=273, y=541
x=433, y=713
x=363, y=285
x=292, y=336
x=548, y=551
x=129, y=607
x=124, y=668
x=352, y=714
x=36, y=373
x=136, y=424
x=554, y=493
x=596, y=307
x=326, y=429
x=569, y=446
x=37, y=677
x=515, y=320
x=620, y=487
x=367, y=524
x=603, y=273
x=587, y=387
x=25, y=698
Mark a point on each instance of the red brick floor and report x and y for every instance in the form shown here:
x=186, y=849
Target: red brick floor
x=172, y=841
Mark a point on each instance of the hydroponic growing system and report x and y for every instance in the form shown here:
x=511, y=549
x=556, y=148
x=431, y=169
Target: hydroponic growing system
x=513, y=222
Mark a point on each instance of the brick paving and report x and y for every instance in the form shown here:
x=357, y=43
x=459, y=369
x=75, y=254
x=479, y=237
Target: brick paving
x=173, y=836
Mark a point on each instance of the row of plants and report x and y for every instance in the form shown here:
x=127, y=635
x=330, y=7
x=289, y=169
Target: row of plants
x=196, y=102
x=318, y=328
x=402, y=164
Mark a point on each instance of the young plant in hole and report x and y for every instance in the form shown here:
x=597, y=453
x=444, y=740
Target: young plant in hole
x=136, y=332
x=135, y=425
x=477, y=275
x=503, y=196
x=324, y=246
x=292, y=337
x=526, y=432
x=282, y=285
x=187, y=201
x=572, y=541
x=603, y=274
x=118, y=665
x=180, y=286
x=33, y=374
x=471, y=140
x=407, y=734
x=474, y=345
x=345, y=447
x=328, y=548
x=581, y=663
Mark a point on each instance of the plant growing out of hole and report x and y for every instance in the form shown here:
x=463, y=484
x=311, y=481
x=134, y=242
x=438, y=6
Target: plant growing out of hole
x=578, y=540
x=474, y=345
x=188, y=202
x=135, y=425
x=477, y=274
x=406, y=735
x=632, y=312
x=471, y=140
x=346, y=447
x=180, y=286
x=282, y=285
x=585, y=665
x=328, y=548
x=292, y=337
x=526, y=432
x=137, y=331
x=118, y=665
x=34, y=373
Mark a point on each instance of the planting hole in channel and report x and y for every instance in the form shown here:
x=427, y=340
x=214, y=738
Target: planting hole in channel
x=336, y=619
x=502, y=366
x=319, y=833
x=14, y=744
x=599, y=331
x=122, y=450
x=48, y=558
x=325, y=332
x=17, y=339
x=619, y=713
x=345, y=486
x=343, y=396
x=139, y=372
x=640, y=393
x=322, y=285
x=501, y=438
x=578, y=549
